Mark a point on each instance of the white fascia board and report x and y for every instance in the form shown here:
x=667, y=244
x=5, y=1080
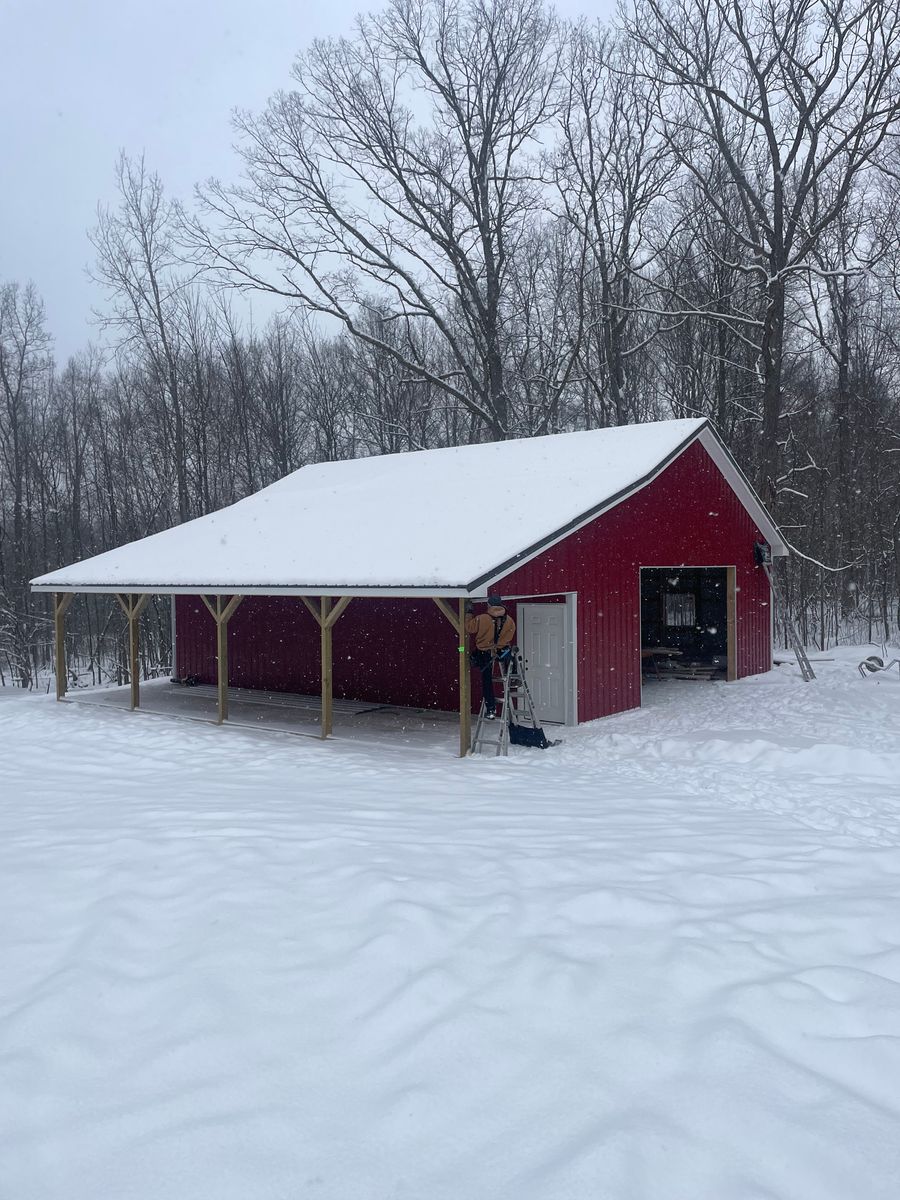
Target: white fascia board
x=484, y=586
x=732, y=473
x=740, y=485
x=237, y=589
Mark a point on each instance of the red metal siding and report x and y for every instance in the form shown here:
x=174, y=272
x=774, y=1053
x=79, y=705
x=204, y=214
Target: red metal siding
x=404, y=651
x=688, y=517
x=389, y=651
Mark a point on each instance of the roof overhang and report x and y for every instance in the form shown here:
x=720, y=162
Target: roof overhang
x=721, y=456
x=154, y=589
x=703, y=432
x=743, y=489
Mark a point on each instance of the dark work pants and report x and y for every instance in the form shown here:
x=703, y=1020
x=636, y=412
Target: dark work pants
x=484, y=661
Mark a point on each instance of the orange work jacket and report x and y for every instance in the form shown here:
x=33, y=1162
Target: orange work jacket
x=483, y=628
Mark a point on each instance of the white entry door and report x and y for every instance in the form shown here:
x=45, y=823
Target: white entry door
x=542, y=640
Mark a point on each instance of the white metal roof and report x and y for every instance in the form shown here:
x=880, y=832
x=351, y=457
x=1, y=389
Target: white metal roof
x=437, y=521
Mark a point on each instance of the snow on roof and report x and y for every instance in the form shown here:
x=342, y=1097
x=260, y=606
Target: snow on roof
x=441, y=519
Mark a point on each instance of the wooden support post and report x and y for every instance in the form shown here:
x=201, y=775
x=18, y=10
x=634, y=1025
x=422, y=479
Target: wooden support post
x=326, y=617
x=458, y=621
x=221, y=663
x=465, y=687
x=134, y=663
x=731, y=621
x=222, y=614
x=61, y=602
x=132, y=607
x=327, y=679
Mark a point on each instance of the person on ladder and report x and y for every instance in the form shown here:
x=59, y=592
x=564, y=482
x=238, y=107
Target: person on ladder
x=494, y=631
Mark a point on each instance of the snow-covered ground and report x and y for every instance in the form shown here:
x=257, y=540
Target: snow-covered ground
x=661, y=962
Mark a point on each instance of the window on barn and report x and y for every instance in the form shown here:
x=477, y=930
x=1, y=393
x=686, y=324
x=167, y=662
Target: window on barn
x=679, y=609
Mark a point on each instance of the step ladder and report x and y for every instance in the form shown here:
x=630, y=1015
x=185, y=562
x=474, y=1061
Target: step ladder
x=764, y=558
x=513, y=706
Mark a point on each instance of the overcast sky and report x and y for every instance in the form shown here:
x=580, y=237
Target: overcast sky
x=81, y=80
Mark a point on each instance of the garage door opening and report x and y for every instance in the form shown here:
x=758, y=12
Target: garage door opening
x=687, y=623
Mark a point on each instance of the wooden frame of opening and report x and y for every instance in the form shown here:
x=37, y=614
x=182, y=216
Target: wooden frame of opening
x=731, y=668
x=731, y=622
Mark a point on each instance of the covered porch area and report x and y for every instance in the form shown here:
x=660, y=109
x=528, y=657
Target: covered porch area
x=299, y=710
x=284, y=713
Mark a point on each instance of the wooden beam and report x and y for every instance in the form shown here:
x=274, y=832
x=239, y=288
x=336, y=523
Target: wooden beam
x=134, y=666
x=337, y=611
x=134, y=662
x=333, y=615
x=465, y=685
x=224, y=615
x=222, y=668
x=449, y=613
x=326, y=617
x=228, y=611
x=731, y=621
x=327, y=678
x=221, y=613
x=458, y=621
x=212, y=609
x=61, y=602
x=132, y=607
x=313, y=606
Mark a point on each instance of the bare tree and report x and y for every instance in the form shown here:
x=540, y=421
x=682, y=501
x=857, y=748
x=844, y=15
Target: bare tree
x=139, y=265
x=326, y=397
x=610, y=170
x=278, y=403
x=402, y=167
x=548, y=280
x=707, y=356
x=794, y=98
x=393, y=409
x=25, y=369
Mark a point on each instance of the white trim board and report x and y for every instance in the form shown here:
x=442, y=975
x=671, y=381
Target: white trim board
x=199, y=589
x=729, y=470
x=572, y=643
x=570, y=648
x=739, y=484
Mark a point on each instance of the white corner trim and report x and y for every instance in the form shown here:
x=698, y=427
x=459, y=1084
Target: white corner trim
x=572, y=651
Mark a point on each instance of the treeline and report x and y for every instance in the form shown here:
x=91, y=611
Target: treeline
x=482, y=222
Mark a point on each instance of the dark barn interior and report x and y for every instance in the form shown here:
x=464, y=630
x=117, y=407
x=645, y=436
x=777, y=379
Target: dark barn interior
x=684, y=622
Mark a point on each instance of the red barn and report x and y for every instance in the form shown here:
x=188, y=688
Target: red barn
x=618, y=552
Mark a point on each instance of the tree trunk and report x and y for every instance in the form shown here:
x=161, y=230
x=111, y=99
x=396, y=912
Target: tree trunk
x=772, y=364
